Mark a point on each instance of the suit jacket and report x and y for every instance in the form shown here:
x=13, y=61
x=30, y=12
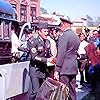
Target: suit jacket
x=67, y=58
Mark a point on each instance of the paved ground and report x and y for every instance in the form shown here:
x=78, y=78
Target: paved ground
x=81, y=90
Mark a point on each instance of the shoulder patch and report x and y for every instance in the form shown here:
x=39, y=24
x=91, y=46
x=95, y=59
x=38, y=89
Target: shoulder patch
x=33, y=50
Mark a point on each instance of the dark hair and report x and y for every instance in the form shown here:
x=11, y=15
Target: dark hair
x=95, y=30
x=81, y=34
x=87, y=30
x=28, y=31
x=12, y=27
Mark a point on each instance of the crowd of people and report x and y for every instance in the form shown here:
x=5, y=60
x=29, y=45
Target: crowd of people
x=89, y=60
x=59, y=53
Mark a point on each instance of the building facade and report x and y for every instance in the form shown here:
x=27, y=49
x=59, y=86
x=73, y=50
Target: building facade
x=27, y=10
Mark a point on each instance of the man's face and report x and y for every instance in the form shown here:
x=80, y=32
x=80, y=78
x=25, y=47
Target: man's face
x=95, y=34
x=82, y=37
x=43, y=33
x=64, y=25
x=61, y=25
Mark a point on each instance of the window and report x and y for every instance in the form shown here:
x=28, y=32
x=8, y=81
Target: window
x=23, y=14
x=33, y=13
x=6, y=30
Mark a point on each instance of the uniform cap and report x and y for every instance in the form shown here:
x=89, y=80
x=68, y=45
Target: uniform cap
x=43, y=26
x=67, y=20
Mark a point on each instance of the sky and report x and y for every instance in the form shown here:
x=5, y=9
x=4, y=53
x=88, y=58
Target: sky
x=75, y=9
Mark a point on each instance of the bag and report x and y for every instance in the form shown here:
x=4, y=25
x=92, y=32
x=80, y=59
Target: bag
x=52, y=90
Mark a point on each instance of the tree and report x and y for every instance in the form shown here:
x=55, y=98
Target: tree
x=97, y=22
x=90, y=21
x=43, y=10
x=89, y=18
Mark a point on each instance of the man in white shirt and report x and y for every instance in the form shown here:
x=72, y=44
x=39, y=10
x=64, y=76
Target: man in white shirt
x=15, y=44
x=82, y=57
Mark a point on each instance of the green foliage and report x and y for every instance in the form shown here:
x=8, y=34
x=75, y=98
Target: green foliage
x=92, y=22
x=97, y=21
x=43, y=10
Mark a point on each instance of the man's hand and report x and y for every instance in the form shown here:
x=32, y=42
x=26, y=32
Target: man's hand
x=51, y=59
x=54, y=60
x=38, y=58
x=56, y=75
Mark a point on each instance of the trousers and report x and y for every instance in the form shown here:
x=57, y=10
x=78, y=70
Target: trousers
x=70, y=81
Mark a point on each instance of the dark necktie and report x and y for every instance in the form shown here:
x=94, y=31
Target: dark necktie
x=44, y=47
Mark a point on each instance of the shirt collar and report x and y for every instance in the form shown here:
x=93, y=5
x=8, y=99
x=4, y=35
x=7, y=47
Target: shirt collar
x=67, y=29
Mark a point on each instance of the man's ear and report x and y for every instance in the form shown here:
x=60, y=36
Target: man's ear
x=40, y=31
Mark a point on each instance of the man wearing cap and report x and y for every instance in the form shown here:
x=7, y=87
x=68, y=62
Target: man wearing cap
x=40, y=54
x=66, y=62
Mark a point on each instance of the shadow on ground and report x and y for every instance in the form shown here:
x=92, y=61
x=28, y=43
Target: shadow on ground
x=89, y=96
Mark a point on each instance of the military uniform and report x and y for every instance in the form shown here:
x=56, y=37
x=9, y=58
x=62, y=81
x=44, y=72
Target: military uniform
x=38, y=68
x=66, y=63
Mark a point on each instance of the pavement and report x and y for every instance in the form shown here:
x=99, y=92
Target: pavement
x=81, y=90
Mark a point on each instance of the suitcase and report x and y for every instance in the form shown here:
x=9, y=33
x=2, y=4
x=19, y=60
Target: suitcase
x=52, y=90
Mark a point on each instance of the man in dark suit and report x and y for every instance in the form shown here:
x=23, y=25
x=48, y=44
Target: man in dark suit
x=66, y=62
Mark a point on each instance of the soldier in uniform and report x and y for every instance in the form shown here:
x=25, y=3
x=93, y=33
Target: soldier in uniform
x=40, y=54
x=66, y=63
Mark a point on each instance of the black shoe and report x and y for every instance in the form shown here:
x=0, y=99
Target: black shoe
x=86, y=83
x=82, y=83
